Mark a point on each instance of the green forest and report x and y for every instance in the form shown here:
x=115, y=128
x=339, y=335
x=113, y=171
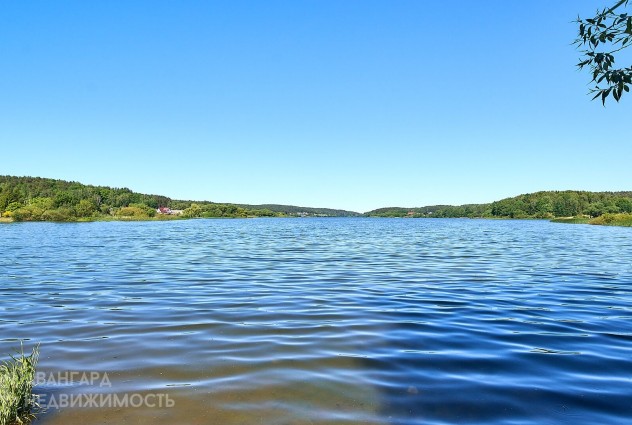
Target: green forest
x=303, y=211
x=549, y=205
x=43, y=199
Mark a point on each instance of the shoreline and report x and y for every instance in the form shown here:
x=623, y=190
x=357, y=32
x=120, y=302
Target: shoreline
x=613, y=220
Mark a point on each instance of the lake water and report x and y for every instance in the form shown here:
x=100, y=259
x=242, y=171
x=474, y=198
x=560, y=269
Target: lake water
x=324, y=321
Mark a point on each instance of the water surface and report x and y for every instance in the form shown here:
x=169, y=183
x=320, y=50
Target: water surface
x=327, y=321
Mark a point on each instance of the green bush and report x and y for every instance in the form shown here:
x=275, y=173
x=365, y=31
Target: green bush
x=608, y=219
x=193, y=211
x=59, y=214
x=134, y=211
x=86, y=208
x=149, y=211
x=13, y=206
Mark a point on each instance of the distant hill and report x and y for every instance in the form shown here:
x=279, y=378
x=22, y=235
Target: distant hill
x=43, y=199
x=548, y=204
x=303, y=211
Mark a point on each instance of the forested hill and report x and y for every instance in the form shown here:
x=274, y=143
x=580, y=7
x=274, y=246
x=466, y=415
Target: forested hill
x=37, y=199
x=549, y=204
x=302, y=211
x=42, y=199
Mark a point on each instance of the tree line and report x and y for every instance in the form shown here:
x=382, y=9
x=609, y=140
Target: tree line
x=546, y=204
x=42, y=199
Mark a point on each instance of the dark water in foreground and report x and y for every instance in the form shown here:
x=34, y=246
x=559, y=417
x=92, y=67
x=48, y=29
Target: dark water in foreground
x=326, y=321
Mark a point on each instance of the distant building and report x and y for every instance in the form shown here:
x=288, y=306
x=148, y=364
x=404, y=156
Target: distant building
x=168, y=211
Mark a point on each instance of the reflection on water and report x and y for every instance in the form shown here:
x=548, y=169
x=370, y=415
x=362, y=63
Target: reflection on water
x=327, y=321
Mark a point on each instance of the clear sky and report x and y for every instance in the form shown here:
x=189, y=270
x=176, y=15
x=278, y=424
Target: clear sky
x=350, y=104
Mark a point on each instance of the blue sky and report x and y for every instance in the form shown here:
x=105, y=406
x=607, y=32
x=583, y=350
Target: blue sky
x=342, y=104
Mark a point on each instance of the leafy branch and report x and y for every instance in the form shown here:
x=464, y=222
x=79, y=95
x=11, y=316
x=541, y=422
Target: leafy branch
x=601, y=37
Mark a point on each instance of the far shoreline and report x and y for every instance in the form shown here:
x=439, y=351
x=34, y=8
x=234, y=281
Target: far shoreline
x=615, y=220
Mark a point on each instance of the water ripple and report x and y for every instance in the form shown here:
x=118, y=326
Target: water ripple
x=328, y=321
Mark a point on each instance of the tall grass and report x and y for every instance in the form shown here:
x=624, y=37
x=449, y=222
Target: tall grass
x=16, y=387
x=613, y=220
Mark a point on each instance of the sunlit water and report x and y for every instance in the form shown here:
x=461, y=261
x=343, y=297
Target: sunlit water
x=326, y=321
